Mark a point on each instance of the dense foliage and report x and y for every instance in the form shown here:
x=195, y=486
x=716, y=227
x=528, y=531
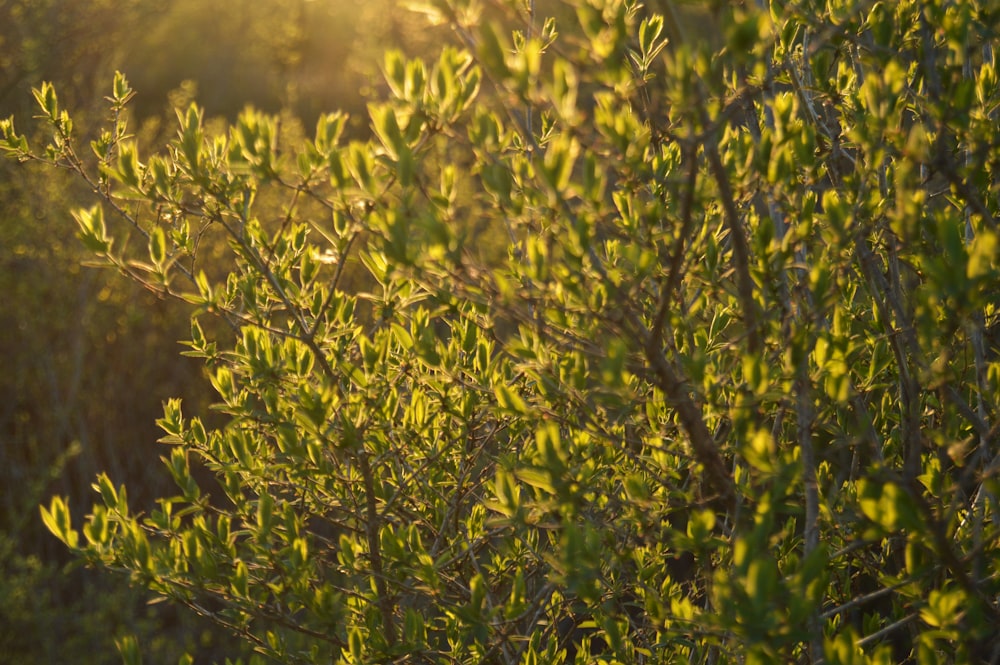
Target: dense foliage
x=87, y=357
x=667, y=350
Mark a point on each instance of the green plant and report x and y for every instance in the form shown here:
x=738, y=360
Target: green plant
x=726, y=392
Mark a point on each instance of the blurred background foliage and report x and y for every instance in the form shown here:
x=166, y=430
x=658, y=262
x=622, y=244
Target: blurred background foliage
x=88, y=358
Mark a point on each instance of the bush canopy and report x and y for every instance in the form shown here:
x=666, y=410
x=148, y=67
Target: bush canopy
x=630, y=335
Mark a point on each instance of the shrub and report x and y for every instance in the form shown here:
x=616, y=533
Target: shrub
x=666, y=351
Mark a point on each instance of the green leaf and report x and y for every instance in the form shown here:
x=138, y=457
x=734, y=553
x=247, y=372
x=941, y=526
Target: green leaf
x=760, y=451
x=13, y=143
x=129, y=169
x=128, y=649
x=329, y=127
x=92, y=231
x=649, y=33
x=557, y=165
x=361, y=164
x=394, y=70
x=945, y=609
x=97, y=528
x=157, y=247
x=45, y=96
x=356, y=644
x=108, y=494
x=508, y=494
x=888, y=505
x=386, y=126
x=700, y=526
x=492, y=52
x=538, y=478
x=983, y=255
x=191, y=138
x=57, y=520
x=265, y=514
x=509, y=400
x=121, y=91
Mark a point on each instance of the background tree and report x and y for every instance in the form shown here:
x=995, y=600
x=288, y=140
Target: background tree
x=724, y=394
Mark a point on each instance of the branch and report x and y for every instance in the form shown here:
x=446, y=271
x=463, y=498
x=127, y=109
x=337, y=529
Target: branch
x=706, y=450
x=741, y=251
